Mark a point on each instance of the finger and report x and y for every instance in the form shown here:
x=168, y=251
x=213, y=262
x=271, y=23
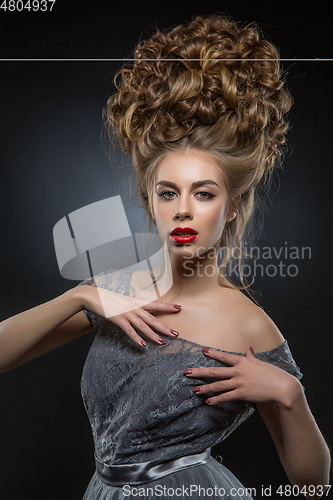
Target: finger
x=156, y=306
x=156, y=323
x=220, y=386
x=210, y=372
x=226, y=357
x=161, y=306
x=250, y=353
x=225, y=397
x=141, y=325
x=149, y=306
x=129, y=330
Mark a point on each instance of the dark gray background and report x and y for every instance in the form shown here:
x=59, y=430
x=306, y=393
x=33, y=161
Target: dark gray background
x=53, y=162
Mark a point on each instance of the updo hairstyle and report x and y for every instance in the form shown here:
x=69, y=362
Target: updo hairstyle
x=221, y=93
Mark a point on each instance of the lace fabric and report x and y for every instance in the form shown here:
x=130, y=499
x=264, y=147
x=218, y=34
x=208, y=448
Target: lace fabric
x=140, y=404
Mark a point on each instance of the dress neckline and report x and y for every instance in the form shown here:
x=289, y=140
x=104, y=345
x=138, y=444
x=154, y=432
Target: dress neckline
x=284, y=343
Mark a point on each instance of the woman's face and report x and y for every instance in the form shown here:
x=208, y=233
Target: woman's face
x=180, y=201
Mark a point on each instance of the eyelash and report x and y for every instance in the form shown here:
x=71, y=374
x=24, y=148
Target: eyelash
x=210, y=196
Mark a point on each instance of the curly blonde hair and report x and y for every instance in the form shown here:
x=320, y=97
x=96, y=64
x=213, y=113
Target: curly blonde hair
x=211, y=86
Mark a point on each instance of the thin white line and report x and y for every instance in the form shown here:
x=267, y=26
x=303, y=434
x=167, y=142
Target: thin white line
x=169, y=60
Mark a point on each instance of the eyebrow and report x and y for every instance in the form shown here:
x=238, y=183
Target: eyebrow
x=194, y=184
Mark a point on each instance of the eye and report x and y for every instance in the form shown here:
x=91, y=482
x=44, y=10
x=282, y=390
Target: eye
x=163, y=193
x=207, y=195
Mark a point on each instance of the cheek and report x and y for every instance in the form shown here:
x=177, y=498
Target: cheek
x=161, y=213
x=216, y=218
x=158, y=211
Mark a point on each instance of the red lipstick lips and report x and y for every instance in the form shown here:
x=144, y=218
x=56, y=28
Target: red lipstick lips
x=183, y=235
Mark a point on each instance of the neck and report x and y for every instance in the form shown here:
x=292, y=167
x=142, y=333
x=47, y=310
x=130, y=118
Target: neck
x=194, y=277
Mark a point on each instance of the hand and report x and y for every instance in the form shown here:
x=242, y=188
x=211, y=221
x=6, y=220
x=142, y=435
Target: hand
x=128, y=312
x=244, y=378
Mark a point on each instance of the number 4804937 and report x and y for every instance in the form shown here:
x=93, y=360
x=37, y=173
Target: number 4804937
x=29, y=5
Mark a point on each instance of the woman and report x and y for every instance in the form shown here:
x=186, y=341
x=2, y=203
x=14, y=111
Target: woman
x=203, y=135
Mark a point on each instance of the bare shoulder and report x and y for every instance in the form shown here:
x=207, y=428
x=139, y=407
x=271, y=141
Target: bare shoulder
x=142, y=280
x=253, y=325
x=138, y=281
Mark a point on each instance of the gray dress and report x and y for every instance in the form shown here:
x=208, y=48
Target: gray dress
x=142, y=409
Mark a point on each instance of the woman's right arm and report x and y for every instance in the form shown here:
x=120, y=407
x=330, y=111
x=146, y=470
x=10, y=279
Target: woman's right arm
x=36, y=331
x=50, y=325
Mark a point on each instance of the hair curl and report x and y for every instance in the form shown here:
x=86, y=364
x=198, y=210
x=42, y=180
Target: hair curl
x=211, y=86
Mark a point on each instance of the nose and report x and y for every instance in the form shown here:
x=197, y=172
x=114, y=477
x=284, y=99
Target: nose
x=183, y=208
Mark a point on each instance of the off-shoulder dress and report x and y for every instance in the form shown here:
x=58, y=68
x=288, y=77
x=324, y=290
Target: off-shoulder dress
x=152, y=434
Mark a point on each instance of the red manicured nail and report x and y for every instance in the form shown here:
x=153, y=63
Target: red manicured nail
x=209, y=401
x=174, y=332
x=196, y=389
x=177, y=307
x=161, y=340
x=143, y=342
x=188, y=371
x=205, y=350
x=251, y=349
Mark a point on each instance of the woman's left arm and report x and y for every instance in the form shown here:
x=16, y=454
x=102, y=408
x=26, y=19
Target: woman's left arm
x=281, y=401
x=301, y=447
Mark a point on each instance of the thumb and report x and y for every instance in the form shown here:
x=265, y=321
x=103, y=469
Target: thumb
x=250, y=352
